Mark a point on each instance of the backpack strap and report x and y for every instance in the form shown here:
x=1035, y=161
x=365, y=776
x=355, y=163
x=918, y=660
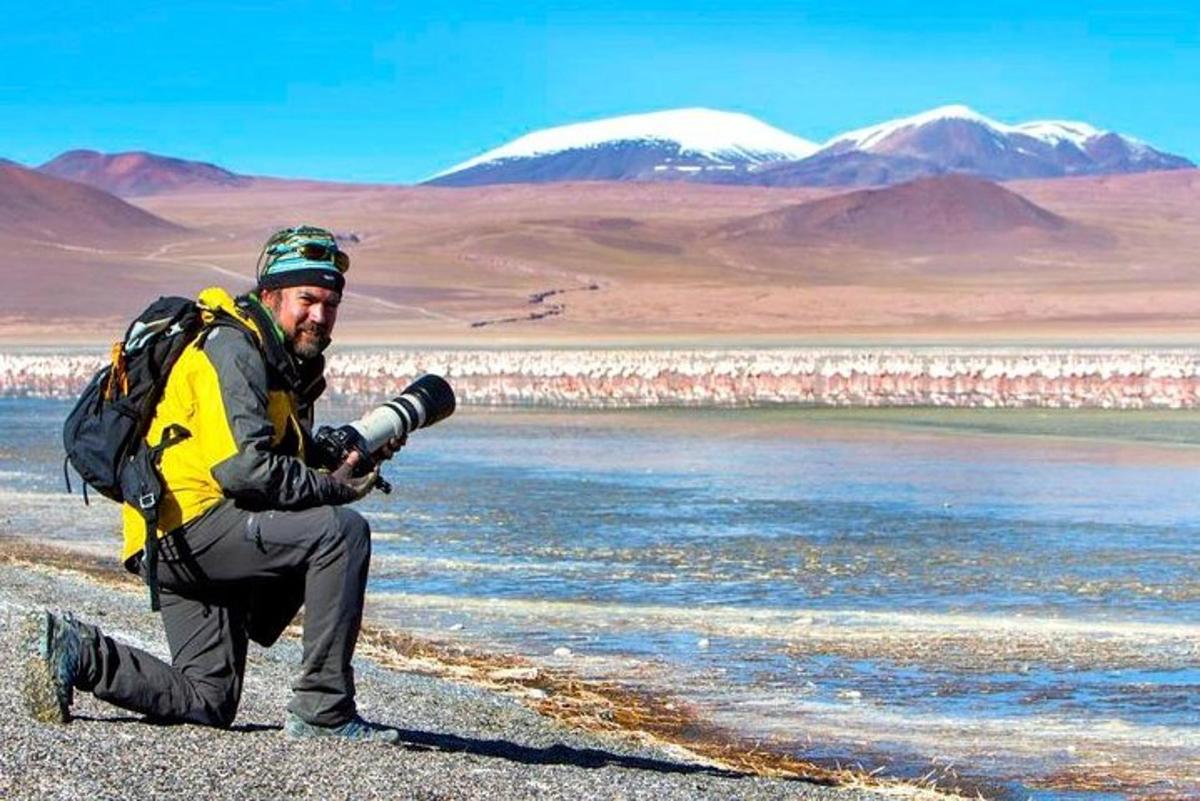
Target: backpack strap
x=142, y=484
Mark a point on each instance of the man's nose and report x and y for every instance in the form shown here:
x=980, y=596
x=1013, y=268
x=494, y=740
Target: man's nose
x=317, y=313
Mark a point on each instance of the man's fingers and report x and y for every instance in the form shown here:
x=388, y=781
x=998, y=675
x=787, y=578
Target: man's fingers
x=364, y=484
x=346, y=469
x=392, y=445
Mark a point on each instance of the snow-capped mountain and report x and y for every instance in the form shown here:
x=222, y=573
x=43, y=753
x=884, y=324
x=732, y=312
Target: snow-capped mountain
x=722, y=147
x=957, y=139
x=679, y=144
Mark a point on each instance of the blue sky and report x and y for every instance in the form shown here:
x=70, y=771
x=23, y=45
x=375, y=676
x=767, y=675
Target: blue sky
x=396, y=91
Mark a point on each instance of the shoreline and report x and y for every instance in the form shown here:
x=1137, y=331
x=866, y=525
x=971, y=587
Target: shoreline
x=638, y=740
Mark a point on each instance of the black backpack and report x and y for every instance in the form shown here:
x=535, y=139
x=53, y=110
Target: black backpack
x=104, y=435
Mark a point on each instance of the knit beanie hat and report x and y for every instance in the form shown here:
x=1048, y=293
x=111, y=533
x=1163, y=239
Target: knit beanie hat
x=302, y=256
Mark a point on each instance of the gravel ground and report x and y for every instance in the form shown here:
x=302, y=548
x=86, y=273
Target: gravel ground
x=460, y=742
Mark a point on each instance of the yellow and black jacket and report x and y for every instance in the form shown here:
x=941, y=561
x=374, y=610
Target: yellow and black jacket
x=248, y=406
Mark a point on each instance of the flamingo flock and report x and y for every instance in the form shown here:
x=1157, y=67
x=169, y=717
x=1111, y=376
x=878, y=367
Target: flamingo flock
x=1108, y=378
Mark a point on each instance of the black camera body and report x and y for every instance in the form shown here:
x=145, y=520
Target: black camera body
x=334, y=445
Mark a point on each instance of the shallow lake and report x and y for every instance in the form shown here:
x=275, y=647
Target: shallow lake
x=1009, y=597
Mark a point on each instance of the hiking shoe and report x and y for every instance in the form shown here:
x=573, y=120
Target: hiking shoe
x=355, y=729
x=53, y=646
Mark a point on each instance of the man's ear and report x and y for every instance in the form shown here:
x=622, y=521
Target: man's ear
x=269, y=297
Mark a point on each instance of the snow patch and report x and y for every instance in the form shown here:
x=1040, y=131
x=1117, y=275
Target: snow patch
x=1055, y=131
x=867, y=138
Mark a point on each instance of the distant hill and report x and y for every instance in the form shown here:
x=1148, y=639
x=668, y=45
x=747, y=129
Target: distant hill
x=135, y=174
x=952, y=210
x=432, y=261
x=42, y=207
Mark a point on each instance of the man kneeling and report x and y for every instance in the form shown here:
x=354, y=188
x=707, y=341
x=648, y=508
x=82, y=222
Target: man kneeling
x=250, y=525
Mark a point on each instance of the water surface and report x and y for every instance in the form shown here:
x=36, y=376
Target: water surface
x=1007, y=596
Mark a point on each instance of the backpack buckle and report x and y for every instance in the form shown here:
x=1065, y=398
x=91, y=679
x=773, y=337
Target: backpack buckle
x=147, y=501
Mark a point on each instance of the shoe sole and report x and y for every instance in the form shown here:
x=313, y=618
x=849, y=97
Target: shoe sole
x=40, y=687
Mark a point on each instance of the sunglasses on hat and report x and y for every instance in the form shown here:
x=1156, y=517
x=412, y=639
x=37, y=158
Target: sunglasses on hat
x=319, y=251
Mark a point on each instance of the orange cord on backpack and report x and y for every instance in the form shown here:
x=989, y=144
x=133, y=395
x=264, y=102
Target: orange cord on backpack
x=117, y=375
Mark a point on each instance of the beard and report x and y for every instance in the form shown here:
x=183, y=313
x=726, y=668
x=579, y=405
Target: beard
x=310, y=341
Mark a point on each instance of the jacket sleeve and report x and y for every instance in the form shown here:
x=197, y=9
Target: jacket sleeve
x=254, y=473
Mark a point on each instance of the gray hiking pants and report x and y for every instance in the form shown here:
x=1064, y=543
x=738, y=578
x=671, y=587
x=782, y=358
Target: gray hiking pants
x=230, y=576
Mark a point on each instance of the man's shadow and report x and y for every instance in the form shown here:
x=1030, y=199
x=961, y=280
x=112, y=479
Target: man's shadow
x=557, y=754
x=246, y=728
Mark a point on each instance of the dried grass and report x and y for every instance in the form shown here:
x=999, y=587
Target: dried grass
x=1132, y=781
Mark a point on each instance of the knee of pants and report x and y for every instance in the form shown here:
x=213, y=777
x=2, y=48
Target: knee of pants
x=353, y=530
x=216, y=703
x=223, y=713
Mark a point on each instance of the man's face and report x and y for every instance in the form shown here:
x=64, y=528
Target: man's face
x=306, y=314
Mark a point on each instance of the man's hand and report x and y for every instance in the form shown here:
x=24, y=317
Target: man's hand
x=357, y=487
x=391, y=446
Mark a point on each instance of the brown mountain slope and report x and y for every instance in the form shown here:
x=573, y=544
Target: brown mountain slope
x=1128, y=195
x=947, y=211
x=41, y=207
x=138, y=173
x=428, y=263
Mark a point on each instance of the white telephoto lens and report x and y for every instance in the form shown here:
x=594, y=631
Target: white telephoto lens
x=413, y=404
x=382, y=423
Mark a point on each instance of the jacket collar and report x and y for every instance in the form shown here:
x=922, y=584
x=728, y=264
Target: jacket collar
x=305, y=377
